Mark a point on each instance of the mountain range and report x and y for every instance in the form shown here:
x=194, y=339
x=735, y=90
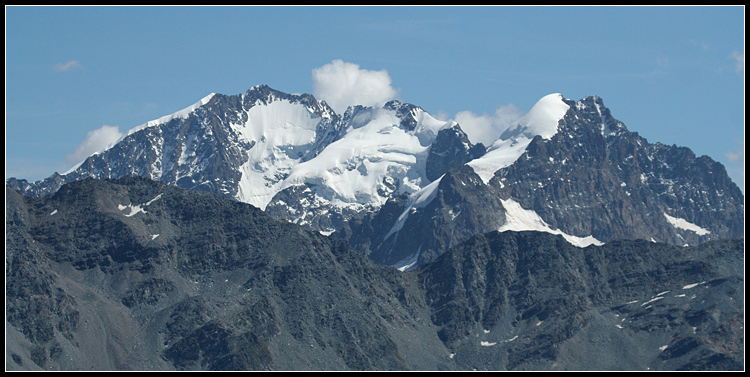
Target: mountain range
x=134, y=274
x=402, y=186
x=264, y=231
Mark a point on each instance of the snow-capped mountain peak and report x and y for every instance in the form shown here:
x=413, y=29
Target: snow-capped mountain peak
x=566, y=167
x=184, y=113
x=181, y=114
x=541, y=120
x=279, y=133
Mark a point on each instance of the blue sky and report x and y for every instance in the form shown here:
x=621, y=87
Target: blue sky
x=79, y=76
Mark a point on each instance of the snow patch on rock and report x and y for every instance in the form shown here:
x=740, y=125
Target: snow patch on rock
x=519, y=219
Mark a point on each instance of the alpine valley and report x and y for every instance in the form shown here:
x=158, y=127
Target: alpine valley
x=264, y=231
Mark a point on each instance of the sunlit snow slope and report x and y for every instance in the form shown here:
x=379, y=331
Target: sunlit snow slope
x=541, y=120
x=281, y=133
x=376, y=158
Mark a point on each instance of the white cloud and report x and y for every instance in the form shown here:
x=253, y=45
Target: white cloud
x=95, y=141
x=739, y=58
x=442, y=115
x=343, y=84
x=736, y=167
x=73, y=64
x=486, y=128
x=662, y=65
x=737, y=157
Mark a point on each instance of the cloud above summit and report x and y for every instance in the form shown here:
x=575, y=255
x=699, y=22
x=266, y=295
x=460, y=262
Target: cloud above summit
x=342, y=84
x=95, y=141
x=486, y=128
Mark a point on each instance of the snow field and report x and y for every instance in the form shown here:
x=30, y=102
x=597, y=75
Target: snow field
x=684, y=224
x=519, y=219
x=374, y=149
x=281, y=132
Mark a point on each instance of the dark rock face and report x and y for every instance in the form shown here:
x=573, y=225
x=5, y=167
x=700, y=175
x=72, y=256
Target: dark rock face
x=596, y=178
x=175, y=279
x=463, y=207
x=530, y=301
x=301, y=204
x=451, y=148
x=38, y=189
x=404, y=112
x=133, y=274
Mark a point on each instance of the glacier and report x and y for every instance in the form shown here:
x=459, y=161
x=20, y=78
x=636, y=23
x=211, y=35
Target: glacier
x=280, y=132
x=297, y=159
x=374, y=157
x=374, y=147
x=684, y=224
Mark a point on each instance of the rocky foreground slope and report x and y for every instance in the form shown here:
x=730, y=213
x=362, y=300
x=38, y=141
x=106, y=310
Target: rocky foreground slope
x=133, y=274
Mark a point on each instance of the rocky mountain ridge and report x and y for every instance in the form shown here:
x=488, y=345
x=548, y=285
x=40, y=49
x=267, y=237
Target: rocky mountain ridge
x=592, y=181
x=252, y=146
x=567, y=167
x=134, y=274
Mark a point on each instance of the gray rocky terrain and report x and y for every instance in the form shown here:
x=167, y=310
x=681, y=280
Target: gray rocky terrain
x=134, y=274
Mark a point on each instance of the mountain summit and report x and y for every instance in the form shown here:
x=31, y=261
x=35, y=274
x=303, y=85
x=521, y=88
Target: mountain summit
x=403, y=186
x=254, y=146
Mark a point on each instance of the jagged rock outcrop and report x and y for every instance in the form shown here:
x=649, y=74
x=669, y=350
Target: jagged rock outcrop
x=451, y=148
x=591, y=179
x=403, y=234
x=594, y=177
